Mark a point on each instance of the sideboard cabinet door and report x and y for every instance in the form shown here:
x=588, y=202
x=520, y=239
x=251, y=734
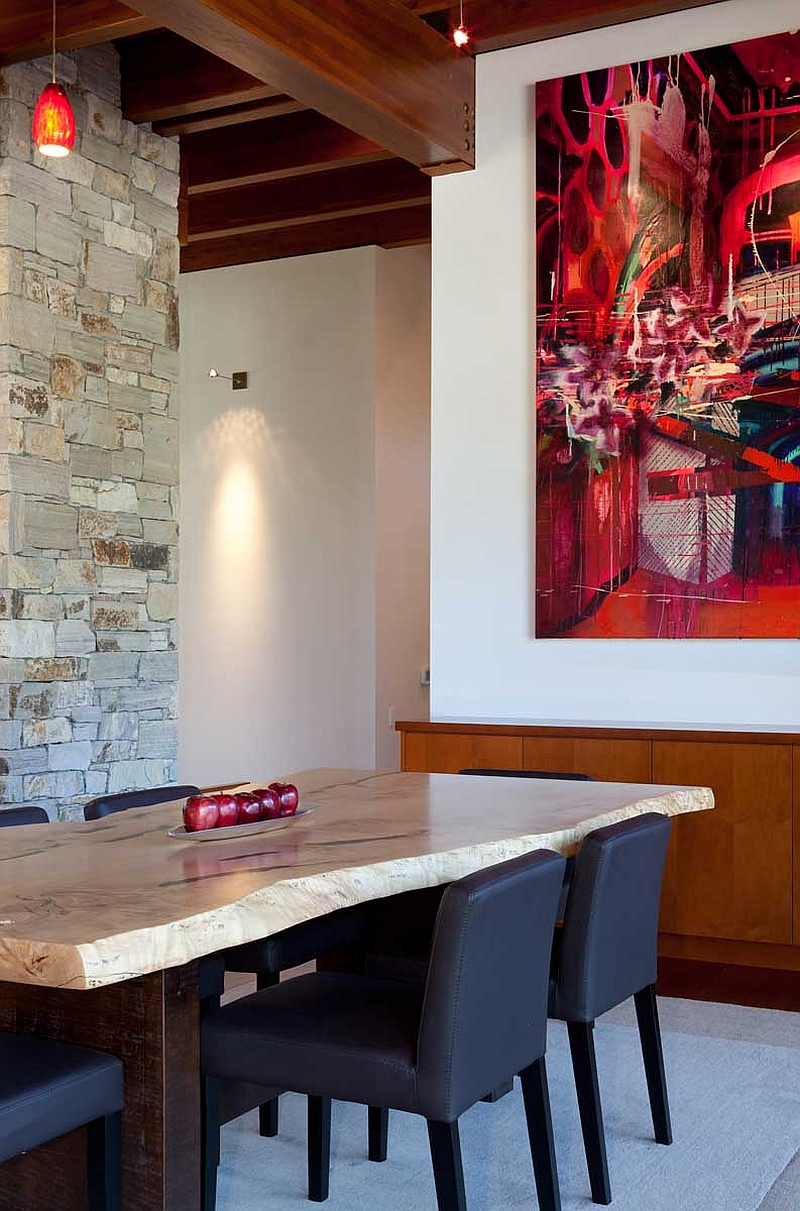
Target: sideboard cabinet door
x=607, y=760
x=729, y=871
x=449, y=752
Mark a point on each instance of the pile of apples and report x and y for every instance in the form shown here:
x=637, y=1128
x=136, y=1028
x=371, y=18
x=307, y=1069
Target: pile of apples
x=201, y=812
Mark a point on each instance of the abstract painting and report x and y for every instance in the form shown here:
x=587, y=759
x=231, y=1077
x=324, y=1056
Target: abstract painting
x=668, y=347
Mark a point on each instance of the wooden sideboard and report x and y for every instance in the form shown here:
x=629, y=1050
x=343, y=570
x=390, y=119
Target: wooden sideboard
x=732, y=886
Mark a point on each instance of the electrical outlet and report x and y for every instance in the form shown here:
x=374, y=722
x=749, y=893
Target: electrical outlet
x=425, y=678
x=239, y=381
x=392, y=715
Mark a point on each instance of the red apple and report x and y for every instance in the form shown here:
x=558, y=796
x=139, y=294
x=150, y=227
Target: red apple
x=249, y=810
x=287, y=796
x=270, y=804
x=200, y=812
x=228, y=810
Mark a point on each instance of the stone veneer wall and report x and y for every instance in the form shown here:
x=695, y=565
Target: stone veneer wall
x=88, y=446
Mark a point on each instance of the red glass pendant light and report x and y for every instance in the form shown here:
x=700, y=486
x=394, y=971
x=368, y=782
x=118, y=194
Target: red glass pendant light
x=53, y=119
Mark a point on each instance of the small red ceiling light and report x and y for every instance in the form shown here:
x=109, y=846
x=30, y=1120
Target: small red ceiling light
x=53, y=119
x=461, y=33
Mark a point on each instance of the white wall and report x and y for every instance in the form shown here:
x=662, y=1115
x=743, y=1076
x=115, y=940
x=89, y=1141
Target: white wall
x=485, y=664
x=277, y=518
x=304, y=597
x=402, y=481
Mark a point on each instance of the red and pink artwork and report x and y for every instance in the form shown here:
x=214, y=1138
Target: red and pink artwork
x=668, y=347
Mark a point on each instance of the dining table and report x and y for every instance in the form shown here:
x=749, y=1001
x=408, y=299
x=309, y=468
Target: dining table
x=104, y=926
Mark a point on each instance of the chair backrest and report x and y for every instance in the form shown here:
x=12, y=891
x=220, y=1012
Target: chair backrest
x=529, y=773
x=484, y=1017
x=106, y=805
x=11, y=816
x=609, y=944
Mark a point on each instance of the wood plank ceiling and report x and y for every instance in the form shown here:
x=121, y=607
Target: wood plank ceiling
x=313, y=139
x=263, y=175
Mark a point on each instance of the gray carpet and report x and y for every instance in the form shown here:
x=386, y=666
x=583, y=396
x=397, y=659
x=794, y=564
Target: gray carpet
x=735, y=1086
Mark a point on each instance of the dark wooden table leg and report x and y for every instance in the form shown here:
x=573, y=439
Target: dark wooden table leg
x=152, y=1023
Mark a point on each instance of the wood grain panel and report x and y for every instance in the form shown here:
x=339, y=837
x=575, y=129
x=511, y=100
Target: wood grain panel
x=152, y=1024
x=605, y=760
x=337, y=193
x=164, y=76
x=26, y=28
x=724, y=950
x=730, y=875
x=447, y=754
x=399, y=225
x=495, y=24
x=272, y=148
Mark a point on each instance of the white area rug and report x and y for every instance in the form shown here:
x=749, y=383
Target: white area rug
x=735, y=1100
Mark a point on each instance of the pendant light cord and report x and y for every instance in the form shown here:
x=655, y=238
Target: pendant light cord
x=54, y=41
x=460, y=13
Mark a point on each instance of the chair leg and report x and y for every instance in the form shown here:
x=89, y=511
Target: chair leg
x=319, y=1148
x=104, y=1163
x=584, y=1063
x=536, y=1096
x=448, y=1172
x=378, y=1133
x=209, y=1142
x=268, y=1111
x=650, y=1035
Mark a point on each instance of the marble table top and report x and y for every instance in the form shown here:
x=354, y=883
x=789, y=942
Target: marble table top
x=83, y=905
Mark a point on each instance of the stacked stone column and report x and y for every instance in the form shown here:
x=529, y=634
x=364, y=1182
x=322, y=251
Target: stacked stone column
x=88, y=446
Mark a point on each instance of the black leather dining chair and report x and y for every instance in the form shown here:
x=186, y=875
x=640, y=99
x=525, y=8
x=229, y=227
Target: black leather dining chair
x=605, y=953
x=107, y=805
x=393, y=932
x=338, y=932
x=49, y=1088
x=335, y=932
x=434, y=1051
x=400, y=928
x=12, y=816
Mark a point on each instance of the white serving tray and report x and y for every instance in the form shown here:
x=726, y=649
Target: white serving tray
x=235, y=831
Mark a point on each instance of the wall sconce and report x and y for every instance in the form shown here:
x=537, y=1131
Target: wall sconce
x=238, y=379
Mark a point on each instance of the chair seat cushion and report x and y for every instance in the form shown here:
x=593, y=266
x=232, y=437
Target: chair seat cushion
x=334, y=1035
x=49, y=1088
x=335, y=931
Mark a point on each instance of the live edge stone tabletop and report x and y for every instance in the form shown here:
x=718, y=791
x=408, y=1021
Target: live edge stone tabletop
x=88, y=905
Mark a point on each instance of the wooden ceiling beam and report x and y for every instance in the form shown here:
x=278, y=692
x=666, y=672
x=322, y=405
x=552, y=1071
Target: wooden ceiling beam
x=165, y=77
x=340, y=192
x=26, y=28
x=495, y=24
x=272, y=149
x=423, y=7
x=370, y=65
x=229, y=115
x=411, y=224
